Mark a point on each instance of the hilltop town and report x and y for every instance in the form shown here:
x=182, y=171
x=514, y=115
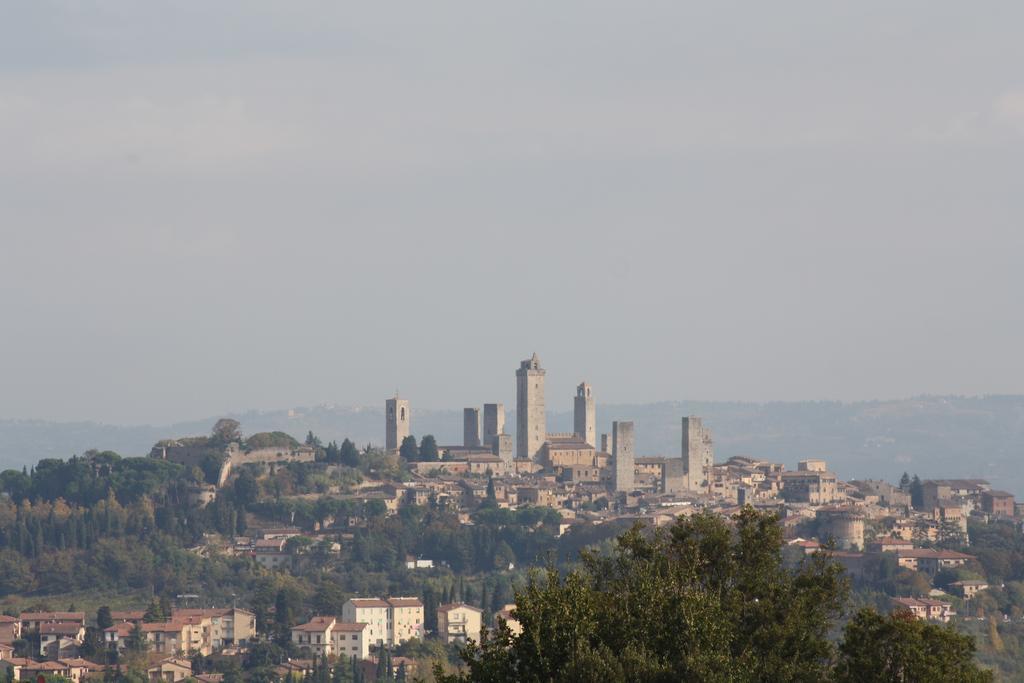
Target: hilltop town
x=419, y=547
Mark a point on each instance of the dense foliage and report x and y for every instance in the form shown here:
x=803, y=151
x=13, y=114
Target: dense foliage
x=701, y=601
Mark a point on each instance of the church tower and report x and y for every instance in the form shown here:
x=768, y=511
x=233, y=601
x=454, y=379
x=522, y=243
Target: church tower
x=584, y=415
x=397, y=417
x=531, y=420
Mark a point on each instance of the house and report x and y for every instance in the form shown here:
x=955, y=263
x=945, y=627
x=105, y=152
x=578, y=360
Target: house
x=6, y=652
x=170, y=669
x=117, y=636
x=968, y=588
x=315, y=635
x=930, y=561
x=32, y=620
x=296, y=669
x=889, y=544
x=405, y=618
x=228, y=625
x=418, y=563
x=373, y=612
x=271, y=554
x=167, y=637
x=29, y=670
x=10, y=629
x=925, y=608
x=505, y=614
x=999, y=503
x=80, y=669
x=326, y=635
x=60, y=639
x=459, y=622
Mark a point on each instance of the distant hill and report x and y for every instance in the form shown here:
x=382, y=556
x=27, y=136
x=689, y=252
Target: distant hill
x=934, y=436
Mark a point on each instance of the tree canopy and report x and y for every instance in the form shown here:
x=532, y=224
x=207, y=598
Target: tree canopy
x=704, y=600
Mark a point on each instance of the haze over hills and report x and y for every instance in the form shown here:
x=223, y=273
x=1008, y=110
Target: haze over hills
x=933, y=436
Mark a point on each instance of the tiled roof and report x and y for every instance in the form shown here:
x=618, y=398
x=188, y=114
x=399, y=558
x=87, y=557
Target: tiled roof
x=368, y=602
x=404, y=602
x=315, y=624
x=53, y=616
x=61, y=628
x=456, y=605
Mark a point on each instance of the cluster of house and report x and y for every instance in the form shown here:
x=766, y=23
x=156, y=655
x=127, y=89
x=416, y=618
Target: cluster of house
x=388, y=622
x=61, y=634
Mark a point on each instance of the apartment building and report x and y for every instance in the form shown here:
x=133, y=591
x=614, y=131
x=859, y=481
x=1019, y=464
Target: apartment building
x=326, y=635
x=459, y=622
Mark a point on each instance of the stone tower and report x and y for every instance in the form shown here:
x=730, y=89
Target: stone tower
x=531, y=420
x=397, y=417
x=471, y=427
x=584, y=415
x=698, y=455
x=494, y=422
x=623, y=456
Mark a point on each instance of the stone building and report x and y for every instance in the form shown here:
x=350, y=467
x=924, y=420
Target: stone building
x=471, y=427
x=584, y=415
x=623, y=456
x=531, y=420
x=494, y=422
x=398, y=418
x=698, y=456
x=501, y=446
x=844, y=525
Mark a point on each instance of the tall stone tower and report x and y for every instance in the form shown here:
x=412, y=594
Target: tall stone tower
x=471, y=427
x=494, y=422
x=397, y=417
x=698, y=455
x=623, y=455
x=531, y=420
x=584, y=415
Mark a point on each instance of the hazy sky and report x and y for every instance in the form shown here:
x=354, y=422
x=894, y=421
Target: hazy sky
x=214, y=206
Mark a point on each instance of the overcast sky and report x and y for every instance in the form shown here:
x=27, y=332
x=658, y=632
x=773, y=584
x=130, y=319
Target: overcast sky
x=215, y=206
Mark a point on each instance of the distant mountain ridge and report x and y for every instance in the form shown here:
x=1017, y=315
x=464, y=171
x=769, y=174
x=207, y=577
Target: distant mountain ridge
x=934, y=436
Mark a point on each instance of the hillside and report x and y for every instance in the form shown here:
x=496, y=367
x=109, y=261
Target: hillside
x=935, y=436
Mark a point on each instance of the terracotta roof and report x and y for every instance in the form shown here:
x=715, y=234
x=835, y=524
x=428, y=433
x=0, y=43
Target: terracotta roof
x=350, y=627
x=404, y=602
x=44, y=666
x=121, y=629
x=163, y=627
x=53, y=616
x=82, y=663
x=456, y=605
x=61, y=628
x=315, y=624
x=127, y=615
x=930, y=554
x=368, y=602
x=4, y=619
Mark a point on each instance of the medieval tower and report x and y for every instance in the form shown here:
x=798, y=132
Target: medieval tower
x=698, y=456
x=584, y=415
x=531, y=420
x=397, y=417
x=494, y=422
x=623, y=455
x=471, y=427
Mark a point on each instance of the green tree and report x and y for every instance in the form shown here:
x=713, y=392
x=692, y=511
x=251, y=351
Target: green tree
x=901, y=648
x=103, y=618
x=700, y=601
x=225, y=431
x=348, y=454
x=408, y=450
x=916, y=493
x=428, y=449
